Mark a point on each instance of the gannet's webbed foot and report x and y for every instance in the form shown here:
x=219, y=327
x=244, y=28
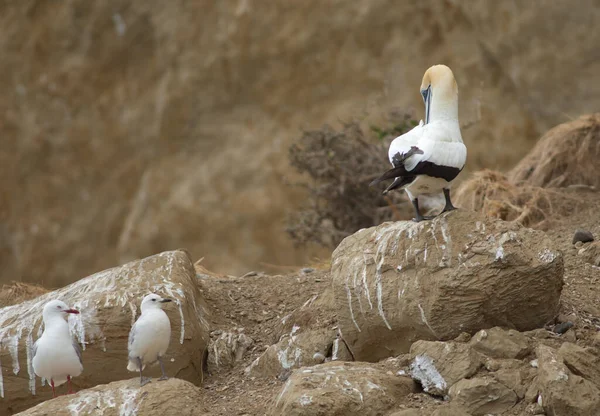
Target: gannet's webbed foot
x=418, y=216
x=449, y=206
x=423, y=218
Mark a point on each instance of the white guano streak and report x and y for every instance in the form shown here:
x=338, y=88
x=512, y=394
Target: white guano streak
x=380, y=293
x=350, y=303
x=30, y=372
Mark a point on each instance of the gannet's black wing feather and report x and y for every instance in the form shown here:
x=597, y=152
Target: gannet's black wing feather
x=398, y=170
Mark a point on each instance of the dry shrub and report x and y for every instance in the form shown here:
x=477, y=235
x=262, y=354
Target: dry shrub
x=494, y=195
x=17, y=292
x=339, y=166
x=566, y=155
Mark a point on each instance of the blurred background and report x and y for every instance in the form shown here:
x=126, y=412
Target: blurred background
x=132, y=127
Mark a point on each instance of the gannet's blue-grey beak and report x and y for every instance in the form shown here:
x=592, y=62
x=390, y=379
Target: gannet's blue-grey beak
x=426, y=93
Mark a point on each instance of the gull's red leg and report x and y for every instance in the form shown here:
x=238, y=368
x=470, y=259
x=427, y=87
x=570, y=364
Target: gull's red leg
x=53, y=392
x=69, y=385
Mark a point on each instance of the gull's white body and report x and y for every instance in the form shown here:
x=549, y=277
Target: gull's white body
x=149, y=337
x=55, y=355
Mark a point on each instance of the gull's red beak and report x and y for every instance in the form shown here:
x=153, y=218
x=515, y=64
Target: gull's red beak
x=75, y=311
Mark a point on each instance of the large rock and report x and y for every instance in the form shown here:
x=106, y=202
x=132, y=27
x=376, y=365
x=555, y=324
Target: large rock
x=109, y=304
x=227, y=349
x=461, y=272
x=126, y=398
x=438, y=365
x=483, y=396
x=582, y=361
x=450, y=409
x=341, y=389
x=562, y=392
x=299, y=349
x=499, y=343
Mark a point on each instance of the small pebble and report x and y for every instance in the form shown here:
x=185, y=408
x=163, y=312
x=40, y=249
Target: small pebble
x=569, y=336
x=562, y=327
x=307, y=270
x=583, y=236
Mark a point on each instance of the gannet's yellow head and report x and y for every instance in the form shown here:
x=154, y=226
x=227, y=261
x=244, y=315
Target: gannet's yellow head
x=440, y=93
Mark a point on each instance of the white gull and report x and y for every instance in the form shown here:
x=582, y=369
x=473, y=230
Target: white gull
x=149, y=337
x=56, y=357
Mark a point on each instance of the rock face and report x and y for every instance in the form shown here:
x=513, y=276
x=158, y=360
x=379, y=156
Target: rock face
x=582, y=361
x=590, y=253
x=341, y=389
x=109, y=304
x=443, y=410
x=562, y=392
x=107, y=107
x=461, y=272
x=483, y=396
x=227, y=349
x=171, y=397
x=299, y=350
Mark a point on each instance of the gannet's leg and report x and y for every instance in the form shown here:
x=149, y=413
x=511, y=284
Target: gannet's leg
x=162, y=368
x=143, y=380
x=418, y=216
x=449, y=206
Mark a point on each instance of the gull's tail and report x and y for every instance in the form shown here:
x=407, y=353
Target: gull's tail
x=133, y=365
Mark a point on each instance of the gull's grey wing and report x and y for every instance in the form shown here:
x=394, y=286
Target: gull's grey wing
x=131, y=337
x=77, y=349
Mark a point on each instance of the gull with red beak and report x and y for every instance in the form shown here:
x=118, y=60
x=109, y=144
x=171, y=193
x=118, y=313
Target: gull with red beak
x=149, y=337
x=56, y=357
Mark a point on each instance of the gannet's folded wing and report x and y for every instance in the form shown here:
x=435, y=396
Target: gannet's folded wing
x=398, y=161
x=440, y=159
x=402, y=149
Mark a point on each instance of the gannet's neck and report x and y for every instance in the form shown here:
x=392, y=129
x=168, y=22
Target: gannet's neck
x=443, y=107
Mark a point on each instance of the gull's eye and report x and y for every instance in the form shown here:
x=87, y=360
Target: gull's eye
x=58, y=306
x=153, y=300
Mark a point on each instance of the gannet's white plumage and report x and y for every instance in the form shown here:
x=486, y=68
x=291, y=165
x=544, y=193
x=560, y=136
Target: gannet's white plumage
x=149, y=336
x=56, y=357
x=426, y=159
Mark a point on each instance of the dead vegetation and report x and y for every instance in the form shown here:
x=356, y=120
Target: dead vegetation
x=566, y=155
x=17, y=292
x=338, y=166
x=494, y=195
x=550, y=183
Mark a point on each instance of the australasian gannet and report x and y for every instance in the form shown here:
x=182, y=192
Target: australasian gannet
x=426, y=159
x=56, y=356
x=149, y=336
